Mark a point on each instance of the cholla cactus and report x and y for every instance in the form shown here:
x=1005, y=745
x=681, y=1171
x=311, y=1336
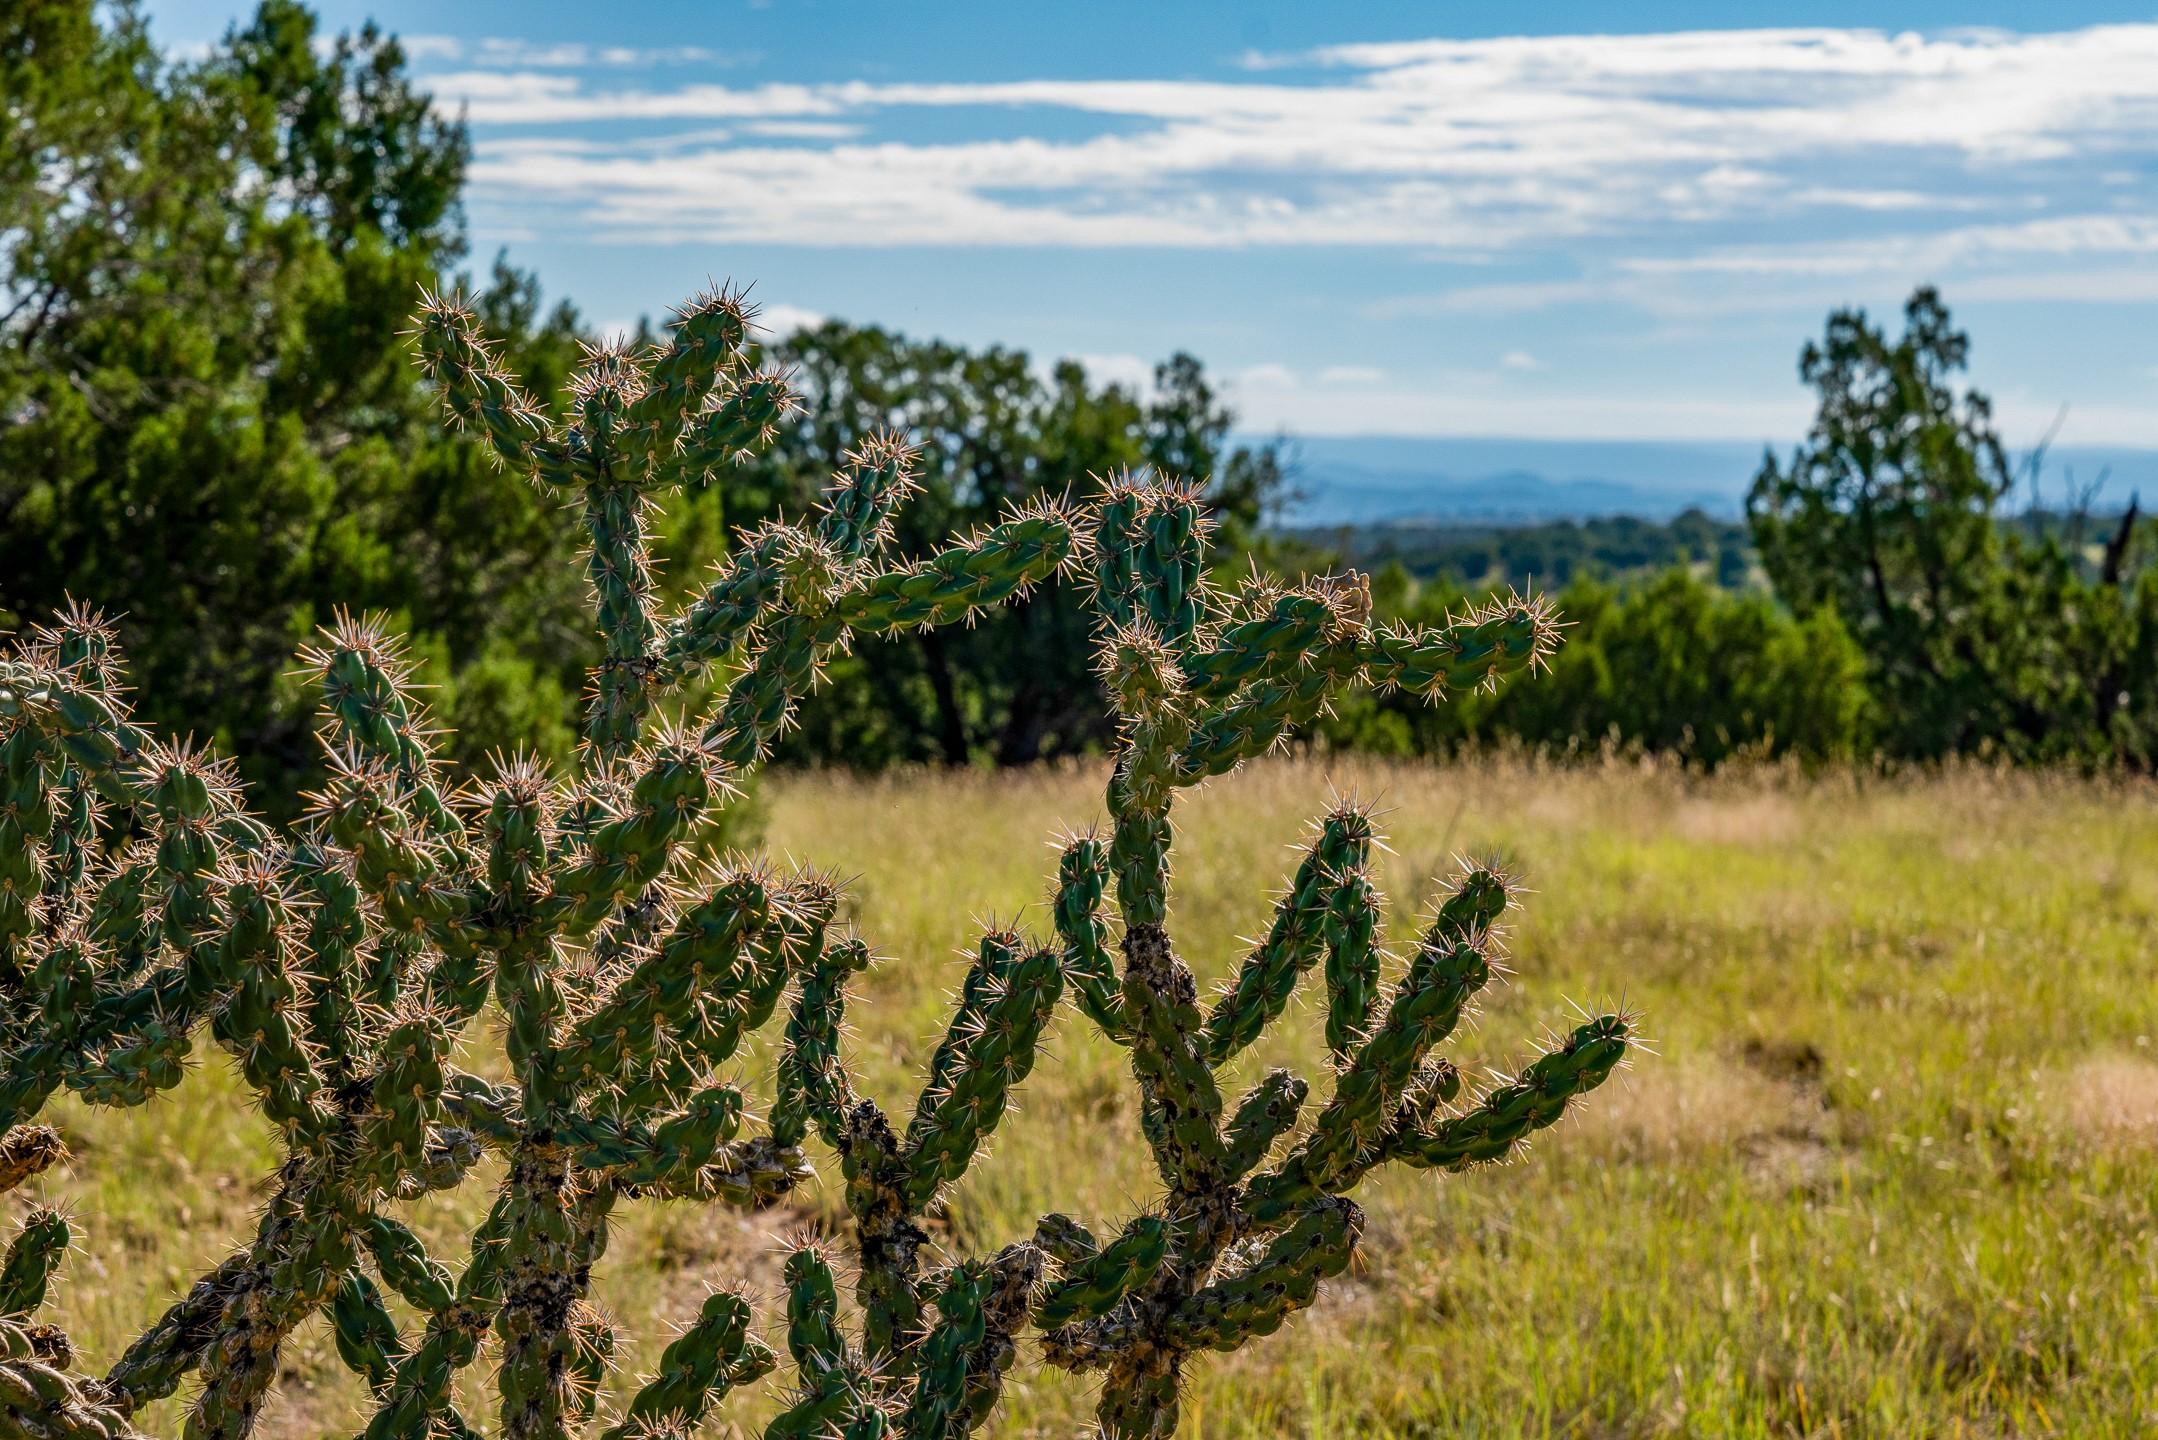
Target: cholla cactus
x=340, y=964
x=1202, y=682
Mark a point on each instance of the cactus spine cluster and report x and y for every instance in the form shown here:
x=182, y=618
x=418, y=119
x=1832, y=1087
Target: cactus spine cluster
x=340, y=964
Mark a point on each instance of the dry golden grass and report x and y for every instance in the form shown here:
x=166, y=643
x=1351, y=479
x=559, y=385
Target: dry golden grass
x=1889, y=1173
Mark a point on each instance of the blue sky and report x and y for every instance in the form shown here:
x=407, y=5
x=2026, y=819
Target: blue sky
x=1596, y=221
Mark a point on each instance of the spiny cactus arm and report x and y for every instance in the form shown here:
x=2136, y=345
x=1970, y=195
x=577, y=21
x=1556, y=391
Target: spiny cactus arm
x=855, y=517
x=716, y=1354
x=814, y=1338
x=490, y=1112
x=793, y=930
x=677, y=1146
x=1118, y=588
x=620, y=570
x=256, y=1022
x=406, y=1096
x=299, y=1255
x=27, y=1151
x=702, y=954
x=331, y=987
x=748, y=583
x=1296, y=625
x=64, y=983
x=75, y=827
x=592, y=1344
x=405, y=1266
x=813, y=1084
x=760, y=702
x=528, y=987
x=163, y=1355
x=1007, y=559
x=994, y=958
x=369, y=710
x=1345, y=1141
x=749, y=1174
x=1267, y=1112
x=842, y=1400
x=1512, y=1112
x=41, y=1400
x=1149, y=554
x=1224, y=1315
x=360, y=809
x=703, y=345
x=85, y=722
x=478, y=394
x=1484, y=646
x=1481, y=649
x=122, y=922
x=26, y=823
x=738, y=417
x=940, y=1381
x=1093, y=1285
x=1181, y=1114
x=417, y=1398
x=1082, y=878
x=1268, y=976
x=1352, y=961
x=1260, y=717
x=555, y=1229
x=888, y=1237
x=367, y=1339
x=677, y=778
x=997, y=1051
x=31, y=1258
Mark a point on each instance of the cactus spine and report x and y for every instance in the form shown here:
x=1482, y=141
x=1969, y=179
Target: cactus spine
x=340, y=963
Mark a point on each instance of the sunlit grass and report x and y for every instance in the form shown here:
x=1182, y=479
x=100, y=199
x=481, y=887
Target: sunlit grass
x=1890, y=1171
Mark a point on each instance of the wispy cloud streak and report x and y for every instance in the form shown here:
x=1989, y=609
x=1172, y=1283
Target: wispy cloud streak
x=1980, y=145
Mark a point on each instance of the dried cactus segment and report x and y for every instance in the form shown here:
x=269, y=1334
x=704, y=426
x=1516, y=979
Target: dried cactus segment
x=27, y=1151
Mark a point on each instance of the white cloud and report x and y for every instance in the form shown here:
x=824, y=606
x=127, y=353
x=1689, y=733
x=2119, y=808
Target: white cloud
x=1440, y=145
x=1134, y=372
x=1351, y=375
x=1519, y=360
x=1269, y=376
x=778, y=320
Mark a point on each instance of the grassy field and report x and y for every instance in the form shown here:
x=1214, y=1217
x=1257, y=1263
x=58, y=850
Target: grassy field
x=1890, y=1171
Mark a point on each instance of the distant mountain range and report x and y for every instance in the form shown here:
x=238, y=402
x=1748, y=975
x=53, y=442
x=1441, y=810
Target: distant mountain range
x=1362, y=480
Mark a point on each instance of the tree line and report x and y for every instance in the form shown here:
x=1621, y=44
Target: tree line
x=210, y=427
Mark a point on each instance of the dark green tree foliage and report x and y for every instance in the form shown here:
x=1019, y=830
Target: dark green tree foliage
x=209, y=427
x=992, y=432
x=1671, y=664
x=1976, y=638
x=340, y=960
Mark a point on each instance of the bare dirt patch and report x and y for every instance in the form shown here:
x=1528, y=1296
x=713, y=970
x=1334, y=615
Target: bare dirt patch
x=2112, y=1100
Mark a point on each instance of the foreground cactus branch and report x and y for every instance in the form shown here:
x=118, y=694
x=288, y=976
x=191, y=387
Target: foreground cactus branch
x=341, y=964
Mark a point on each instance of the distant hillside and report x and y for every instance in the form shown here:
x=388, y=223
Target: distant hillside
x=1549, y=555
x=1361, y=480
